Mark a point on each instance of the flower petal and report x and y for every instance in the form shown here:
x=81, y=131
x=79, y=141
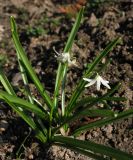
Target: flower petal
x=91, y=83
x=87, y=79
x=105, y=83
x=98, y=83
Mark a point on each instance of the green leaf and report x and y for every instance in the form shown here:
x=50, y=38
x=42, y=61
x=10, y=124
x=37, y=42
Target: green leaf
x=99, y=99
x=97, y=112
x=68, y=119
x=88, y=100
x=80, y=87
x=86, y=112
x=23, y=104
x=24, y=60
x=6, y=84
x=102, y=54
x=81, y=151
x=105, y=121
x=27, y=119
x=25, y=80
x=19, y=110
x=94, y=102
x=93, y=147
x=74, y=30
x=67, y=48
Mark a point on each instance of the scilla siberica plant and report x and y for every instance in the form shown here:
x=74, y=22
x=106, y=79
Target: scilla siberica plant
x=51, y=124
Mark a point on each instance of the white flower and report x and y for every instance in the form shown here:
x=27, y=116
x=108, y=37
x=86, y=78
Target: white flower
x=64, y=57
x=98, y=80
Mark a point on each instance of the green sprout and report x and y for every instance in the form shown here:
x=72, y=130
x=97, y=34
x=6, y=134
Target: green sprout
x=51, y=126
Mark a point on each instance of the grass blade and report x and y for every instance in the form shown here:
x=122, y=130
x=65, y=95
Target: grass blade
x=109, y=47
x=28, y=120
x=6, y=83
x=74, y=30
x=80, y=86
x=88, y=100
x=102, y=122
x=23, y=104
x=99, y=99
x=84, y=110
x=19, y=110
x=27, y=65
x=96, y=148
x=82, y=151
x=98, y=112
x=67, y=48
x=25, y=80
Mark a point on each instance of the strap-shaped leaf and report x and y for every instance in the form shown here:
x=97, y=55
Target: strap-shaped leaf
x=96, y=148
x=102, y=54
x=24, y=60
x=23, y=104
x=81, y=151
x=27, y=119
x=103, y=122
x=83, y=111
x=67, y=48
x=88, y=100
x=98, y=112
x=6, y=84
x=88, y=112
x=25, y=80
x=99, y=99
x=80, y=87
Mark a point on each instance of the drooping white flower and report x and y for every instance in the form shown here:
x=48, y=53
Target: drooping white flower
x=64, y=57
x=98, y=80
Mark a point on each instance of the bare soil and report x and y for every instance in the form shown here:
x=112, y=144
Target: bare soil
x=41, y=27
